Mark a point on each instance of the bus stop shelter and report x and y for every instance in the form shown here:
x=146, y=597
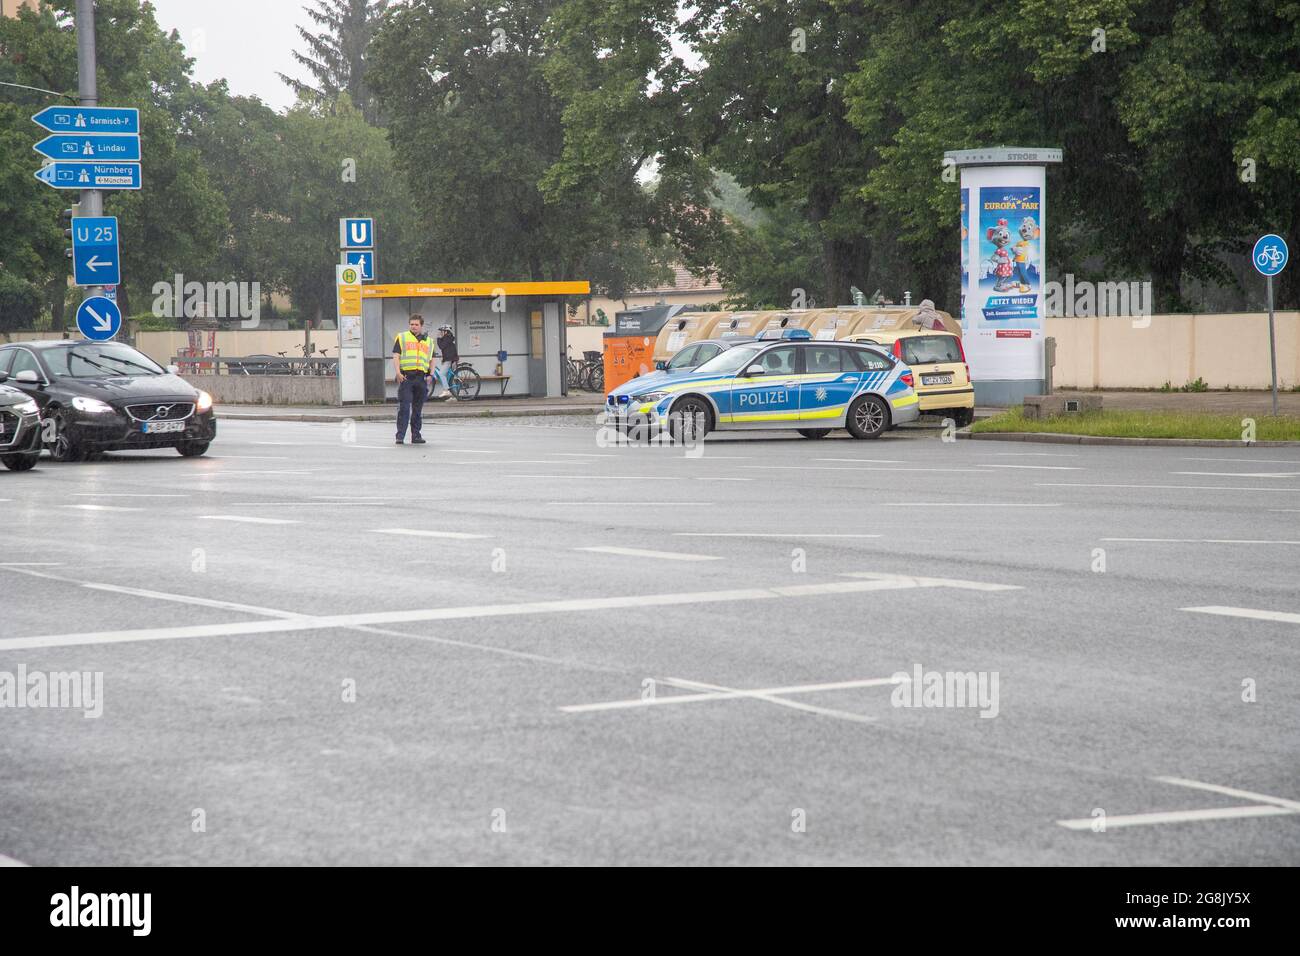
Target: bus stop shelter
x=511, y=332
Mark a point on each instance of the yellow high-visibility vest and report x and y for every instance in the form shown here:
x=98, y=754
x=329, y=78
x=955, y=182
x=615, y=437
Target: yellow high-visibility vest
x=416, y=354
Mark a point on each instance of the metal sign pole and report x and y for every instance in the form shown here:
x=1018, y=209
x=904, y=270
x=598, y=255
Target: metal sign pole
x=1272, y=344
x=92, y=200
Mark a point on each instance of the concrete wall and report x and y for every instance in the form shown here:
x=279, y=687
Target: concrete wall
x=1224, y=349
x=161, y=346
x=268, y=389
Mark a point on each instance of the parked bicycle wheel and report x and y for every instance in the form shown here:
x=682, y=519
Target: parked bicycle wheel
x=597, y=377
x=465, y=383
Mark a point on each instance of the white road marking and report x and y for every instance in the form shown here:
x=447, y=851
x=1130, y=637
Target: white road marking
x=1240, y=474
x=779, y=701
x=763, y=534
x=883, y=582
x=675, y=504
x=582, y=454
x=1264, y=806
x=32, y=564
x=247, y=519
x=1031, y=454
x=1253, y=461
x=641, y=553
x=361, y=497
x=1177, y=816
x=965, y=504
x=1039, y=467
x=1254, y=613
x=119, y=494
x=102, y=508
x=10, y=861
x=867, y=461
x=1203, y=540
x=722, y=479
x=1080, y=484
x=601, y=477
x=908, y=581
x=884, y=471
x=422, y=533
x=722, y=694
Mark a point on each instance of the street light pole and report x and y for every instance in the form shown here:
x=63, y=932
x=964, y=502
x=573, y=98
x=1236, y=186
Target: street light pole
x=92, y=200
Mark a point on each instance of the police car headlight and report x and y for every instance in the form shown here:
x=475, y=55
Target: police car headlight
x=649, y=397
x=82, y=404
x=204, y=402
x=28, y=407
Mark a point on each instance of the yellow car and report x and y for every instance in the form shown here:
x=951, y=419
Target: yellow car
x=943, y=381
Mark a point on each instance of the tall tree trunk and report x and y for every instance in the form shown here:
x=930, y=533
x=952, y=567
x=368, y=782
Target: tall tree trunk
x=1169, y=238
x=847, y=263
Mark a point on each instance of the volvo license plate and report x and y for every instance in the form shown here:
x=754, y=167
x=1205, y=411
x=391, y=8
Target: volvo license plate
x=156, y=428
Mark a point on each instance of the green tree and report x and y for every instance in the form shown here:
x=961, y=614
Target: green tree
x=336, y=58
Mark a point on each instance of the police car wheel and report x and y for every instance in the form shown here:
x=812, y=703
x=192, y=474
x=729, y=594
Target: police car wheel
x=814, y=432
x=868, y=417
x=690, y=419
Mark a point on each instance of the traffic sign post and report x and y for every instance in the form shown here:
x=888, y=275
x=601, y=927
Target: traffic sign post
x=363, y=259
x=125, y=148
x=99, y=318
x=95, y=259
x=91, y=176
x=1270, y=256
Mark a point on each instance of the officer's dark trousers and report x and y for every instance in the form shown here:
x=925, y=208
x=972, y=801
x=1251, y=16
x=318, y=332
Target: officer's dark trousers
x=411, y=392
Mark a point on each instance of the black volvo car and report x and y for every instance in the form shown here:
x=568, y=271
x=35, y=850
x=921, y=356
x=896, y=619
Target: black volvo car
x=107, y=396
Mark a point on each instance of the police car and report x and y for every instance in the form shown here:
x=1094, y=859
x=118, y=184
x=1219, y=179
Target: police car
x=787, y=381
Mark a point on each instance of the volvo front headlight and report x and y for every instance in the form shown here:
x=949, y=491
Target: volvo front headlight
x=83, y=404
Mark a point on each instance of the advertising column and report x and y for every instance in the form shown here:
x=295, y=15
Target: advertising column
x=1003, y=256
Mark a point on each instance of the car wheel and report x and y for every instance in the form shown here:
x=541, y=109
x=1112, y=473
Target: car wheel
x=868, y=417
x=21, y=462
x=63, y=448
x=963, y=416
x=690, y=419
x=192, y=449
x=814, y=432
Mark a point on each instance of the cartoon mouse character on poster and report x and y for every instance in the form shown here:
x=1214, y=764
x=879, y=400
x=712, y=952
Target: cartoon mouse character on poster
x=1024, y=251
x=1000, y=260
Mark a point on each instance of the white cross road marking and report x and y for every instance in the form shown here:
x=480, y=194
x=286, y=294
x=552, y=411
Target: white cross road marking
x=1204, y=540
x=763, y=534
x=642, y=553
x=884, y=582
x=422, y=533
x=246, y=519
x=1264, y=806
x=779, y=701
x=908, y=581
x=711, y=692
x=1254, y=613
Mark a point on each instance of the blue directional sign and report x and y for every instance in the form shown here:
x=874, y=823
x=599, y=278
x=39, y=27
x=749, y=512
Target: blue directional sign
x=364, y=259
x=95, y=259
x=99, y=318
x=90, y=175
x=356, y=233
x=88, y=119
x=90, y=147
x=1270, y=254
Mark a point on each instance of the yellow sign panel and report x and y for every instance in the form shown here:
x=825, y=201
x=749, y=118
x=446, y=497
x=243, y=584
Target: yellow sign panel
x=457, y=289
x=349, y=300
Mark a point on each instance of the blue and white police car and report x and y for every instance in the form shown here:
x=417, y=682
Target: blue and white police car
x=787, y=381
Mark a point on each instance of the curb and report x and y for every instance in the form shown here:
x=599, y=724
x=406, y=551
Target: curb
x=1057, y=438
x=392, y=416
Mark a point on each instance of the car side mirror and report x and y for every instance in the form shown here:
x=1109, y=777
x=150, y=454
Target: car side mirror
x=27, y=377
x=755, y=370
x=4, y=377
x=661, y=365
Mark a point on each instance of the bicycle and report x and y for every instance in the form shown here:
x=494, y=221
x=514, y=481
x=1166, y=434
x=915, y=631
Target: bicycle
x=463, y=382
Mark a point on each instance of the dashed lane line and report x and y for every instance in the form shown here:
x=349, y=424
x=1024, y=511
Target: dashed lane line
x=643, y=553
x=423, y=533
x=247, y=519
x=1285, y=617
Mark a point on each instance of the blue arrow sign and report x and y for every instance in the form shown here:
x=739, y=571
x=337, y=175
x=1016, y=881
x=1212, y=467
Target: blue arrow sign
x=99, y=318
x=90, y=147
x=356, y=233
x=1270, y=254
x=88, y=119
x=95, y=259
x=363, y=259
x=90, y=175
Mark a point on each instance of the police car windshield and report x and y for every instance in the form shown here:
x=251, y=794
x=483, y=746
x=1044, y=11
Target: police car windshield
x=729, y=361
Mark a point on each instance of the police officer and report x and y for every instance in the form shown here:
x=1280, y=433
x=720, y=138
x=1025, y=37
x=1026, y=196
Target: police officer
x=412, y=354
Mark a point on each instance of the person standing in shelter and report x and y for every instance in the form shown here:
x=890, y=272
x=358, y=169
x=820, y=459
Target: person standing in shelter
x=412, y=355
x=448, y=356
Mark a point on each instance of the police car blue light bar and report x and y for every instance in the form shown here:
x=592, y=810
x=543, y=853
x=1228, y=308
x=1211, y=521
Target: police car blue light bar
x=791, y=334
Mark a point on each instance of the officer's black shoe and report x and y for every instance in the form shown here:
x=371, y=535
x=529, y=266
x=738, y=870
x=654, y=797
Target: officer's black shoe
x=418, y=441
x=401, y=442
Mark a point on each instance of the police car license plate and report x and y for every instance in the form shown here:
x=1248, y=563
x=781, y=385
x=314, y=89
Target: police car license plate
x=154, y=428
x=937, y=379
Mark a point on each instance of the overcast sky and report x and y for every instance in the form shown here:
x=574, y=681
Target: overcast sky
x=245, y=41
